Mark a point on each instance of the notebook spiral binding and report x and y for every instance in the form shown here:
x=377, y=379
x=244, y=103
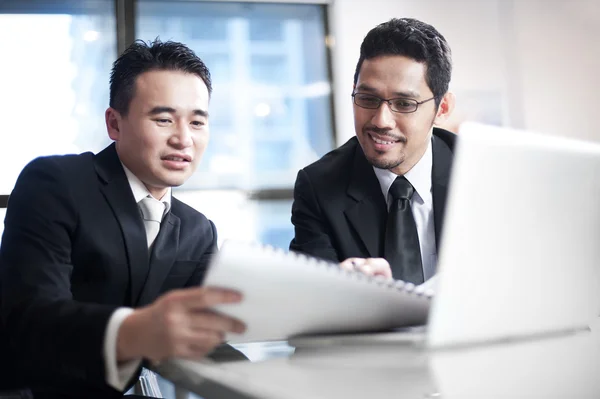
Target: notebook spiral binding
x=329, y=266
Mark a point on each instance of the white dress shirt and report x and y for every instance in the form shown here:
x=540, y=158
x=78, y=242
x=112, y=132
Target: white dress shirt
x=421, y=206
x=118, y=374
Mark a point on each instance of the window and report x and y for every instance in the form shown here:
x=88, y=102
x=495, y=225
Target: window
x=54, y=79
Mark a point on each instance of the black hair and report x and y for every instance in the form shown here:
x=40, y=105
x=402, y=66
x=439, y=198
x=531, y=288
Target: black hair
x=413, y=39
x=142, y=57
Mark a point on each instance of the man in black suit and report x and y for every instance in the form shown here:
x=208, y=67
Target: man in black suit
x=100, y=266
x=342, y=201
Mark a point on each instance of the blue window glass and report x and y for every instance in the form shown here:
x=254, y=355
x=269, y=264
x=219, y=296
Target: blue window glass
x=55, y=89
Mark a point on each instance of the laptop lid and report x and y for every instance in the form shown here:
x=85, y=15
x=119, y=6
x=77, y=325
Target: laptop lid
x=520, y=253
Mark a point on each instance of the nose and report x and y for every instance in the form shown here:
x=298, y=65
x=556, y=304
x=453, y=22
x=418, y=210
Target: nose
x=383, y=117
x=181, y=137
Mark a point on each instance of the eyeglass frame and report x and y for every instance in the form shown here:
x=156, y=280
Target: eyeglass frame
x=388, y=101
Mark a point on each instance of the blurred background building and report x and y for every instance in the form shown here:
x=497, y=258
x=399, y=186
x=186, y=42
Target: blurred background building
x=282, y=75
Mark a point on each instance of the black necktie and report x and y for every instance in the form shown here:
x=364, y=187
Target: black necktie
x=402, y=248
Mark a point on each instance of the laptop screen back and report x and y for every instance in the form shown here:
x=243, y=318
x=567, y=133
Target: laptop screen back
x=520, y=252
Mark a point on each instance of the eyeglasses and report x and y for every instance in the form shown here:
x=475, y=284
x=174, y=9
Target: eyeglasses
x=401, y=105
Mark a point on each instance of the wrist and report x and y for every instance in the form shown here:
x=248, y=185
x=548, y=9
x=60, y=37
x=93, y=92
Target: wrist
x=129, y=337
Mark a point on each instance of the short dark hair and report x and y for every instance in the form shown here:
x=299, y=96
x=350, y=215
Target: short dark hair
x=142, y=57
x=413, y=39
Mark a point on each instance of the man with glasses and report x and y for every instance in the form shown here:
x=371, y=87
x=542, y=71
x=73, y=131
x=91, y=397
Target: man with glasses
x=382, y=194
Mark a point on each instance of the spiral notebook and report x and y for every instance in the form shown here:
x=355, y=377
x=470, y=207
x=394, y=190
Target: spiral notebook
x=288, y=295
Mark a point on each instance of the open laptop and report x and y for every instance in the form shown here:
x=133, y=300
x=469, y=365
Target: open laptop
x=520, y=252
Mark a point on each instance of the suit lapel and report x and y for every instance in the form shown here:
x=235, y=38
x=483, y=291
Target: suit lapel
x=440, y=176
x=118, y=194
x=368, y=214
x=162, y=258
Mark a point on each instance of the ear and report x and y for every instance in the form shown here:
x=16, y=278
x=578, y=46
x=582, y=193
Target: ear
x=445, y=109
x=114, y=122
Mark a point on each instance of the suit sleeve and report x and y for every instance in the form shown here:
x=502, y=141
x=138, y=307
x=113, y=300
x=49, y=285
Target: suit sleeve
x=312, y=234
x=51, y=332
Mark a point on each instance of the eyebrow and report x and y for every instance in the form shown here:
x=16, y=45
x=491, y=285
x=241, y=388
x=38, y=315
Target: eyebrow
x=163, y=109
x=201, y=112
x=399, y=94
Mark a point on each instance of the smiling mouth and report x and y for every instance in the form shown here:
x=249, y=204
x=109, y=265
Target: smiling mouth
x=176, y=159
x=383, y=142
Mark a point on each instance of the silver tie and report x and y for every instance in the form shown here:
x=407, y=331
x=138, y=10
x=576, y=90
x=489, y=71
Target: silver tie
x=152, y=212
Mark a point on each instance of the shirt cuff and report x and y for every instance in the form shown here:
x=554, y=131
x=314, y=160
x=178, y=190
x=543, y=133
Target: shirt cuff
x=117, y=375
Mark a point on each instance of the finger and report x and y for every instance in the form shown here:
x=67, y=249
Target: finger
x=199, y=343
x=345, y=265
x=351, y=264
x=213, y=321
x=366, y=269
x=196, y=352
x=379, y=267
x=199, y=298
x=206, y=339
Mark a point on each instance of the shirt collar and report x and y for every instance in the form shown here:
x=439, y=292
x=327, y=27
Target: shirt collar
x=140, y=191
x=419, y=176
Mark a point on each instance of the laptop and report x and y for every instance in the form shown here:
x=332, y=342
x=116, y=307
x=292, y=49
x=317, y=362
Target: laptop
x=520, y=253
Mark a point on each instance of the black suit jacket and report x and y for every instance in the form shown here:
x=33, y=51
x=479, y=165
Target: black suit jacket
x=339, y=210
x=74, y=250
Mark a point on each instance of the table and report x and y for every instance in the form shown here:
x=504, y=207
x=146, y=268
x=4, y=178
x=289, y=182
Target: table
x=557, y=365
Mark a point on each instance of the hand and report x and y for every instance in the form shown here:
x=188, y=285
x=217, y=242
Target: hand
x=368, y=266
x=178, y=324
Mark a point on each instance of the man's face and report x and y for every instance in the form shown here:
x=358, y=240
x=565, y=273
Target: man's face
x=165, y=132
x=392, y=140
